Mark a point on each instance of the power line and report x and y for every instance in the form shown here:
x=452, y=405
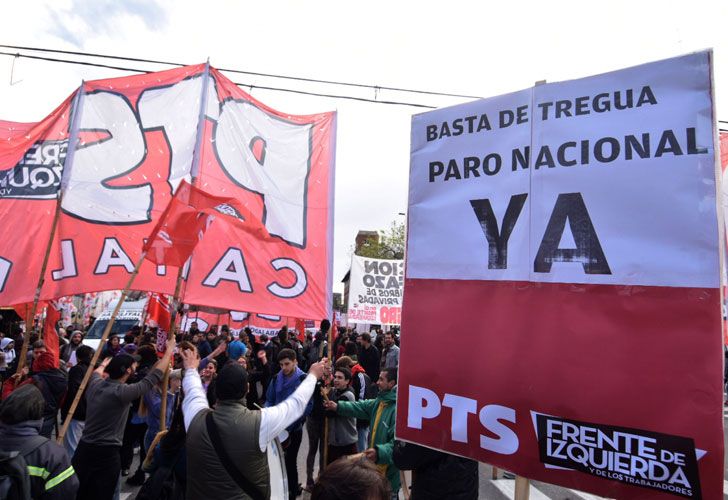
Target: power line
x=242, y=84
x=252, y=73
x=82, y=63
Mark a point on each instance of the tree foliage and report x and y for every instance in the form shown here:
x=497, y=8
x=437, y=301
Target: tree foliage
x=391, y=243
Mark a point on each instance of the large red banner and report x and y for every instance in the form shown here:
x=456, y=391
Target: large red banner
x=132, y=141
x=570, y=232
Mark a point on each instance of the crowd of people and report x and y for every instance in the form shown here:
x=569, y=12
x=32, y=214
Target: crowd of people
x=202, y=409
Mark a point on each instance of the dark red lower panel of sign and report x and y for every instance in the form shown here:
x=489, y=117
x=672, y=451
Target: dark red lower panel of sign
x=627, y=382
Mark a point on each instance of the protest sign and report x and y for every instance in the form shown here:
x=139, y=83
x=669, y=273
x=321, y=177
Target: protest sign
x=569, y=233
x=375, y=291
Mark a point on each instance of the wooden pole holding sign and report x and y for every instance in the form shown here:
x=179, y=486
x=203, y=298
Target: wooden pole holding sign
x=102, y=342
x=180, y=273
x=326, y=420
x=165, y=379
x=72, y=141
x=41, y=279
x=523, y=487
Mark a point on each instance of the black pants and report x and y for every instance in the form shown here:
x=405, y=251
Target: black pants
x=315, y=431
x=133, y=435
x=291, y=456
x=97, y=468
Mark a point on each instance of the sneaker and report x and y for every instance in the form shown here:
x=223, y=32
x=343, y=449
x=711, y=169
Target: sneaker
x=124, y=472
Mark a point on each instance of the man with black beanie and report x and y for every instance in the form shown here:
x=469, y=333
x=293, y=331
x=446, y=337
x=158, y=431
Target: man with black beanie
x=226, y=448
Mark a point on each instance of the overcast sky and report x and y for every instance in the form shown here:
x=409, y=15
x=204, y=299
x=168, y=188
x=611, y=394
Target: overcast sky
x=473, y=48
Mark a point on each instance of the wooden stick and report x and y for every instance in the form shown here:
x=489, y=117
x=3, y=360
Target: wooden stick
x=102, y=342
x=165, y=379
x=163, y=409
x=41, y=279
x=494, y=472
x=145, y=316
x=405, y=489
x=326, y=442
x=67, y=163
x=522, y=488
x=150, y=452
x=326, y=420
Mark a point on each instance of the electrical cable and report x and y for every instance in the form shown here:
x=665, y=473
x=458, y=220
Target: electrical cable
x=252, y=73
x=242, y=84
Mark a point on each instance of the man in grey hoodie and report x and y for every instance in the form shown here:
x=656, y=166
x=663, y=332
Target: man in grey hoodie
x=343, y=435
x=97, y=459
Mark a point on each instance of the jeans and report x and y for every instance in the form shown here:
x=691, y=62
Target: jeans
x=72, y=436
x=363, y=434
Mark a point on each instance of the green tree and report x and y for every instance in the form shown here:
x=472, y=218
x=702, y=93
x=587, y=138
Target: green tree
x=391, y=244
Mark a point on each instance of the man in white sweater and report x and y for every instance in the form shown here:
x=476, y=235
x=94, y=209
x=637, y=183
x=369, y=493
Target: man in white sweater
x=226, y=448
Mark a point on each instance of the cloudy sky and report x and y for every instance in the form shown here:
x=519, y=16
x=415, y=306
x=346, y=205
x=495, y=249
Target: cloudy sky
x=480, y=48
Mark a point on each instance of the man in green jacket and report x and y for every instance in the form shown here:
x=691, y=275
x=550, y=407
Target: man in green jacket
x=381, y=413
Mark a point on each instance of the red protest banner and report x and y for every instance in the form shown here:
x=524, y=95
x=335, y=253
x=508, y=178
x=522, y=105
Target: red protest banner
x=31, y=157
x=138, y=138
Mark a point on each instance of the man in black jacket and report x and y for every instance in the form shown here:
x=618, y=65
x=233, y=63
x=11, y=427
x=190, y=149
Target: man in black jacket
x=51, y=474
x=52, y=383
x=436, y=474
x=368, y=356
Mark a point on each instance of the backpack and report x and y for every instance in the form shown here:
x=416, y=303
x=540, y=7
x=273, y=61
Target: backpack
x=370, y=388
x=14, y=477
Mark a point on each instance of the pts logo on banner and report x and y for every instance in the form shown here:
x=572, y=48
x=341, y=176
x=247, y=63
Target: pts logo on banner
x=38, y=174
x=636, y=457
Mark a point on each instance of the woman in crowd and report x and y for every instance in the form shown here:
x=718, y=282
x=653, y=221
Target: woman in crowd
x=7, y=357
x=112, y=347
x=208, y=374
x=153, y=405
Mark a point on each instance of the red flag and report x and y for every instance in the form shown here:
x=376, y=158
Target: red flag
x=50, y=335
x=301, y=329
x=187, y=217
x=159, y=311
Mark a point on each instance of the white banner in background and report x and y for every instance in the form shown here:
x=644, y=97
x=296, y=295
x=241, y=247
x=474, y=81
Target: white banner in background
x=375, y=291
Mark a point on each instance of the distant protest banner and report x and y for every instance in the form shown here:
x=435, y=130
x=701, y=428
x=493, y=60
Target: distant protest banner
x=375, y=291
x=569, y=234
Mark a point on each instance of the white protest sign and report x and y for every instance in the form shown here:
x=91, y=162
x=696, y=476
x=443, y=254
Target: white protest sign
x=375, y=291
x=566, y=182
